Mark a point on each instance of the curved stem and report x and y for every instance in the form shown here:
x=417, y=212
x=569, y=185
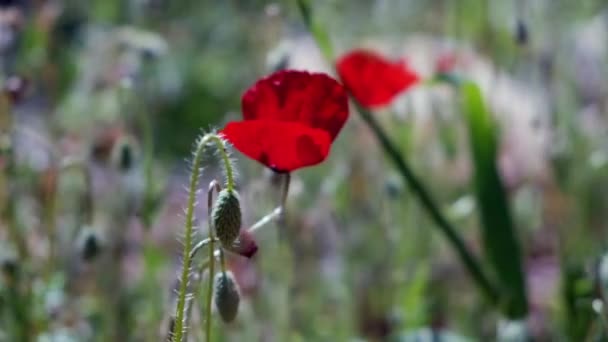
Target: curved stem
x=188, y=226
x=200, y=246
x=227, y=164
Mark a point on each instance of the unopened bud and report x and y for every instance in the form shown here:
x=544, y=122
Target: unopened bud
x=244, y=245
x=89, y=245
x=124, y=154
x=226, y=296
x=521, y=32
x=226, y=216
x=9, y=267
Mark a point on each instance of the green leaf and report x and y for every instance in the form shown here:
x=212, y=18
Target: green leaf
x=501, y=246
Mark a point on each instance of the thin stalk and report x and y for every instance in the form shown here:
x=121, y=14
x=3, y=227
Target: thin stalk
x=132, y=98
x=19, y=289
x=223, y=260
x=199, y=246
x=148, y=151
x=279, y=212
x=428, y=203
x=178, y=333
x=213, y=186
x=209, y=290
x=273, y=215
x=285, y=191
x=80, y=165
x=470, y=262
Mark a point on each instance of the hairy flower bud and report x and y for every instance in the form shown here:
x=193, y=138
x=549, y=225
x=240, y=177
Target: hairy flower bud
x=226, y=216
x=226, y=296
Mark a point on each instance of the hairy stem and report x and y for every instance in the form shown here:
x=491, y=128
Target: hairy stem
x=180, y=323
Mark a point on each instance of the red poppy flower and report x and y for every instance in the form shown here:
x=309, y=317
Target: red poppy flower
x=290, y=119
x=372, y=80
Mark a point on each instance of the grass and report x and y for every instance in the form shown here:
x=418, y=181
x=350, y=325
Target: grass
x=505, y=154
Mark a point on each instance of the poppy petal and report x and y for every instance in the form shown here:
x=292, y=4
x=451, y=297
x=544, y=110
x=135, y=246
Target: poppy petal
x=372, y=80
x=312, y=99
x=281, y=146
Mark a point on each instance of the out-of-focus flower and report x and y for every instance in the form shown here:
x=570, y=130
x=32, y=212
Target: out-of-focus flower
x=150, y=44
x=446, y=62
x=290, y=120
x=373, y=80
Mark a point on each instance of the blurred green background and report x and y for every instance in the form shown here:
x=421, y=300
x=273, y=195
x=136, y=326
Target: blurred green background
x=126, y=86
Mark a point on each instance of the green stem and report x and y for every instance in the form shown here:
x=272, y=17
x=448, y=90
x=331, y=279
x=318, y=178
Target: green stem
x=188, y=226
x=209, y=289
x=227, y=163
x=148, y=146
x=470, y=262
x=468, y=259
x=88, y=202
x=199, y=246
x=222, y=260
x=213, y=186
x=148, y=166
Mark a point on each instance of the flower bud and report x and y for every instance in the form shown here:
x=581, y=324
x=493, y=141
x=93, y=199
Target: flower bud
x=226, y=296
x=521, y=32
x=226, y=216
x=124, y=154
x=245, y=245
x=89, y=244
x=10, y=268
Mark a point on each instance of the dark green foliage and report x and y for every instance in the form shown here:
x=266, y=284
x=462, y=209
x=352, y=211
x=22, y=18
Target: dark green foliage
x=501, y=245
x=577, y=291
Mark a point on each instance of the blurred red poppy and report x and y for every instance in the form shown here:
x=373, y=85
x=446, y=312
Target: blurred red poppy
x=290, y=119
x=373, y=80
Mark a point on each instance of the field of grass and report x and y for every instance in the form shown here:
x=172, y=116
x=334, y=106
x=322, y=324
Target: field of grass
x=450, y=185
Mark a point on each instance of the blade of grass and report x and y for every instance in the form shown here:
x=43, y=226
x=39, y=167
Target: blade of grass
x=501, y=245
